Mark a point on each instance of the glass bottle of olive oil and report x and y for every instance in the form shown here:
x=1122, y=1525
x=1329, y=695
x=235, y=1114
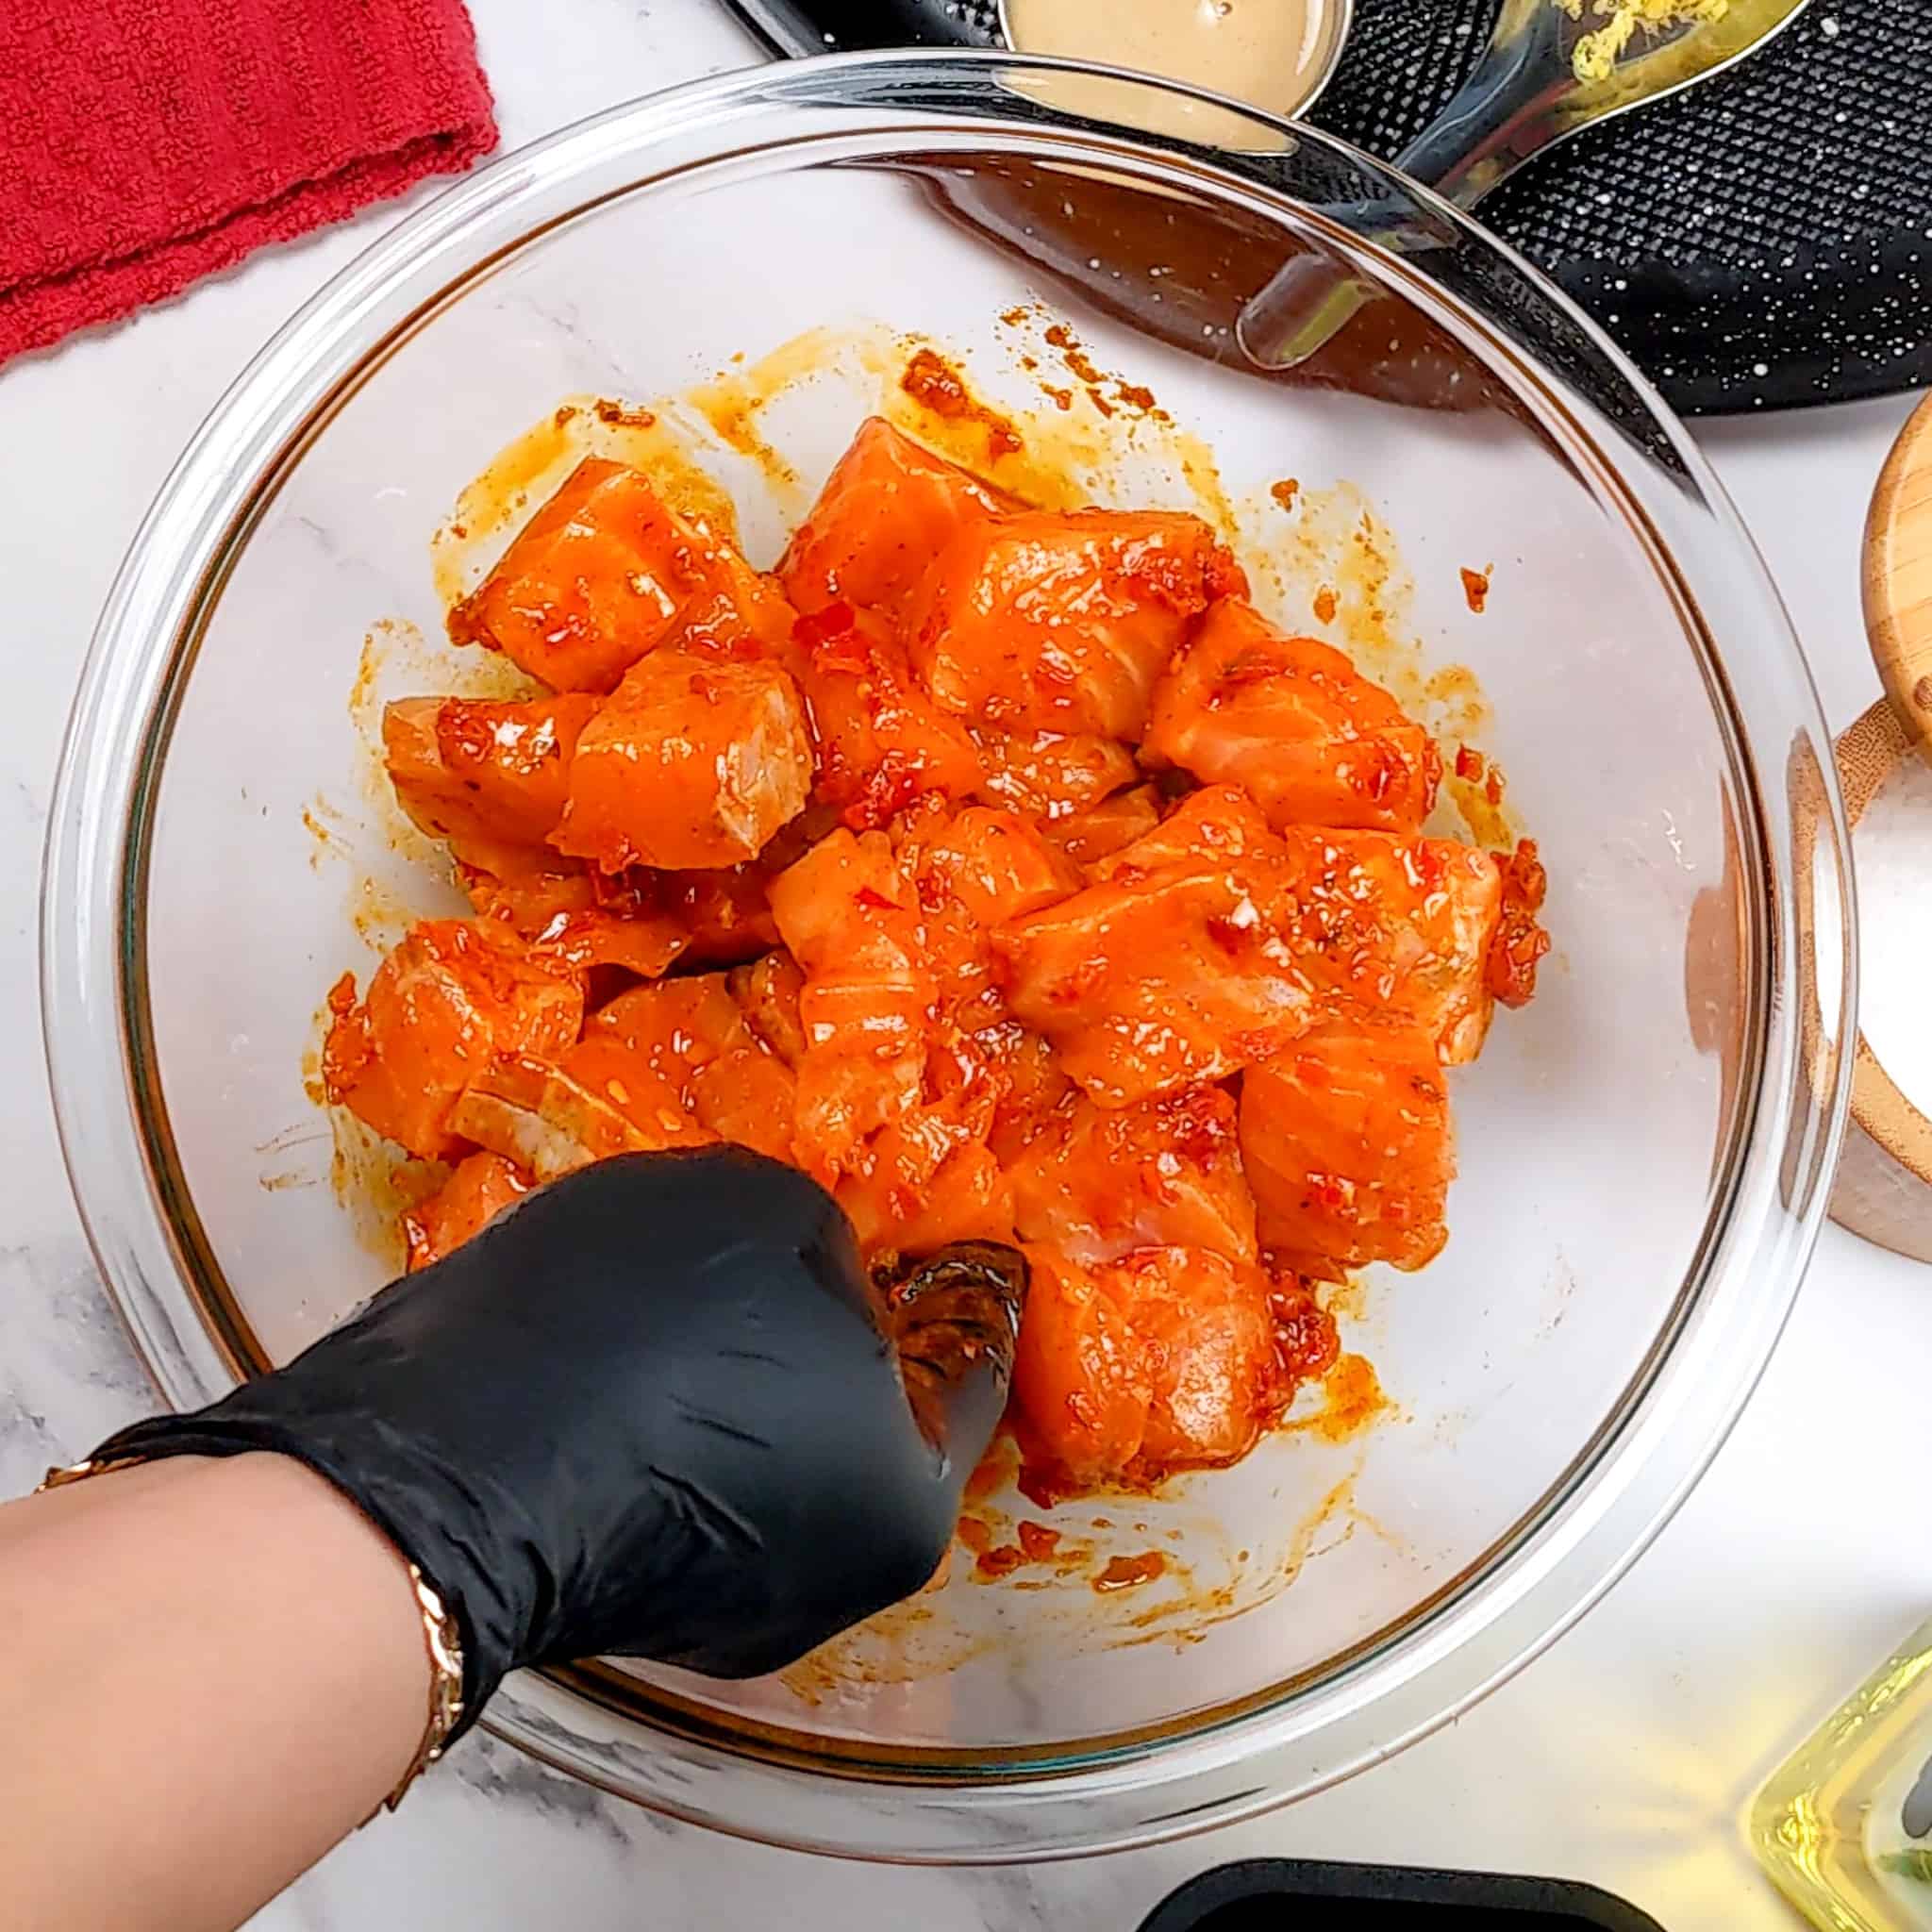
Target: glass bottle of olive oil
x=1846, y=1825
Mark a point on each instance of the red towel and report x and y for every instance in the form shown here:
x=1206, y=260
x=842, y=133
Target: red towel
x=145, y=143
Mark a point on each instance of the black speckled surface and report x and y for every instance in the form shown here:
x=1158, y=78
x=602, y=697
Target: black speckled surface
x=1762, y=241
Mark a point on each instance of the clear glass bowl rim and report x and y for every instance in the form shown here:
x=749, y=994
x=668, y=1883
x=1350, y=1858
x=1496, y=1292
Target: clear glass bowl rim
x=1557, y=1563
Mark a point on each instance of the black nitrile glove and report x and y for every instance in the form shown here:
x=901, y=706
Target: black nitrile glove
x=656, y=1410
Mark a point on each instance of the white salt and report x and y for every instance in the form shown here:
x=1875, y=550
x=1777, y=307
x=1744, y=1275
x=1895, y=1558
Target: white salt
x=1891, y=853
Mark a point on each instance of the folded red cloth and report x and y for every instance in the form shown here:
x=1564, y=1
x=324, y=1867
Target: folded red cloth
x=145, y=143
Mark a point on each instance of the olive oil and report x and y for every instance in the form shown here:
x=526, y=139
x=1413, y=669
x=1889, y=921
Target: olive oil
x=1844, y=1826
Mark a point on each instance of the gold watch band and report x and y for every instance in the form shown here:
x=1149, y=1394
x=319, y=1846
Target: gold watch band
x=446, y=1646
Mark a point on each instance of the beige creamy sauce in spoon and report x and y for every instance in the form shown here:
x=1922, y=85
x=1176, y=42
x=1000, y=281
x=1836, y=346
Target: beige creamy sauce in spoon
x=1273, y=53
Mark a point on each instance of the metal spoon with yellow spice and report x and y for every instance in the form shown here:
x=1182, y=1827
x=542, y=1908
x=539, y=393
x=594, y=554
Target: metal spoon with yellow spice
x=1552, y=67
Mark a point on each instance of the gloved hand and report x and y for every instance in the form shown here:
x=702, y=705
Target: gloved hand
x=656, y=1410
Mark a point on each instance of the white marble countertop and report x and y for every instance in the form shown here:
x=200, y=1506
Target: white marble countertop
x=1625, y=1755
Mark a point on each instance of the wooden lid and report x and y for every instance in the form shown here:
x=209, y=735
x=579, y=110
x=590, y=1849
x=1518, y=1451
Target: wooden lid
x=1884, y=1185
x=1898, y=576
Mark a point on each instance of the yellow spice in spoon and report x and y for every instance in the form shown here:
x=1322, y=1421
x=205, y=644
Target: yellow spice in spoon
x=1596, y=54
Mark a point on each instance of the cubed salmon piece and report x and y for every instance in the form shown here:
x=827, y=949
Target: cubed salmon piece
x=1101, y=1182
x=971, y=870
x=1348, y=1145
x=472, y=769
x=1032, y=1086
x=767, y=993
x=1078, y=1378
x=479, y=1188
x=543, y=1119
x=970, y=1199
x=1219, y=823
x=881, y=742
x=641, y=1092
x=1209, y=1331
x=1147, y=988
x=605, y=573
x=886, y=510
x=1063, y=620
x=925, y=1180
x=1292, y=722
x=994, y=865
x=573, y=918
x=686, y=1045
x=852, y=921
x=1401, y=924
x=922, y=1176
x=1051, y=775
x=1170, y=971
x=748, y=1095
x=693, y=762
x=641, y=920
x=450, y=998
x=1165, y=1359
x=1105, y=829
x=656, y=1102
x=675, y=1029
x=847, y=893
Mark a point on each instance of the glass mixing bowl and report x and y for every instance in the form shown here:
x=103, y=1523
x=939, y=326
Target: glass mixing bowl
x=1642, y=1149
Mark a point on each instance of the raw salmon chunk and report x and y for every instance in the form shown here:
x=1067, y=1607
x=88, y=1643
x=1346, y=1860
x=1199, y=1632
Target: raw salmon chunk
x=997, y=865
x=1100, y=1182
x=749, y=1096
x=605, y=573
x=1171, y=968
x=654, y=1100
x=1209, y=1331
x=1402, y=924
x=1051, y=774
x=640, y=920
x=881, y=741
x=1079, y=1375
x=542, y=1117
x=689, y=1042
x=1150, y=988
x=1031, y=1086
x=1348, y=1147
x=1165, y=1359
x=1063, y=622
x=446, y=1001
x=1291, y=721
x=1103, y=829
x=887, y=507
x=971, y=871
x=850, y=919
x=479, y=1188
x=1217, y=824
x=924, y=1180
x=694, y=762
x=471, y=770
x=676, y=1028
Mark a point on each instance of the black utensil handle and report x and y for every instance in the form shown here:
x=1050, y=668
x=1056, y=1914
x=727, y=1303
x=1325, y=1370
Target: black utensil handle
x=1310, y=1895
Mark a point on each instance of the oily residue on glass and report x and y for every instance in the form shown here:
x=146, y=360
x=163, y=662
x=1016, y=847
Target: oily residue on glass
x=1351, y=1400
x=935, y=384
x=1130, y=1573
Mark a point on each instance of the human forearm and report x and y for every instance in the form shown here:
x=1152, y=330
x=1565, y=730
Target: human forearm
x=213, y=1671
